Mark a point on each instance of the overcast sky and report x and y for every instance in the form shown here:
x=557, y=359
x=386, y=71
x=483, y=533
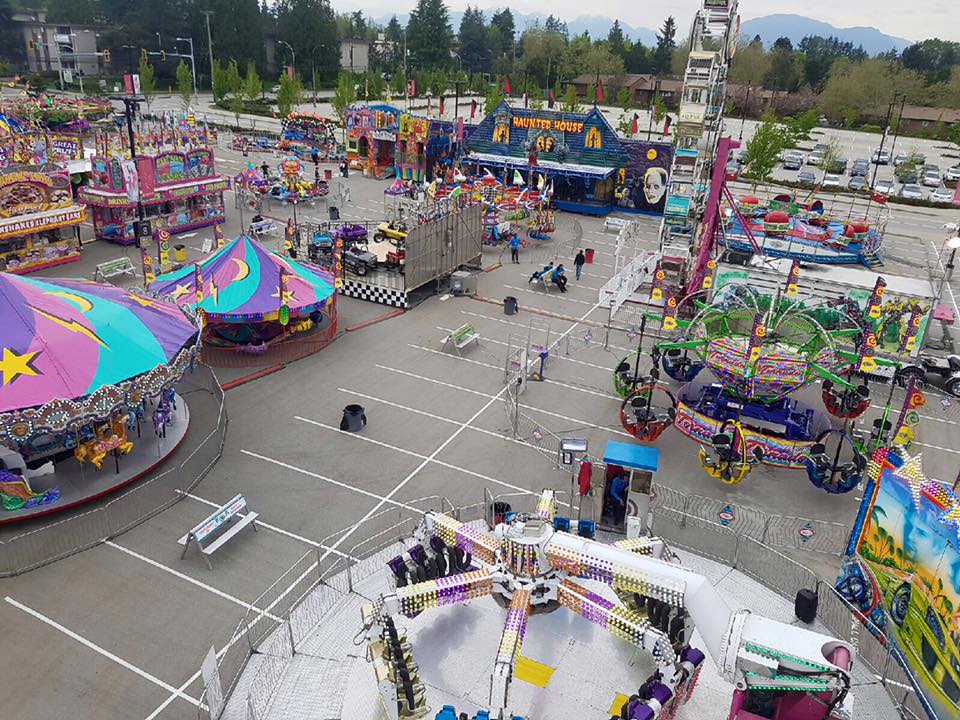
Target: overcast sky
x=913, y=20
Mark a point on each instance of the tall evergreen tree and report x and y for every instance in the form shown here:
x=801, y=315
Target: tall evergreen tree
x=663, y=55
x=474, y=48
x=310, y=26
x=506, y=31
x=616, y=41
x=429, y=35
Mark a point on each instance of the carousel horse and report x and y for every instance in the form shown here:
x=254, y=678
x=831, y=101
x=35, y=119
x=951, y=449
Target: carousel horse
x=831, y=474
x=648, y=411
x=847, y=403
x=169, y=396
x=160, y=417
x=730, y=460
x=108, y=438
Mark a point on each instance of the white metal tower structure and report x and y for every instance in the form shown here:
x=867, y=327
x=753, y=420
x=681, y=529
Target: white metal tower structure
x=713, y=39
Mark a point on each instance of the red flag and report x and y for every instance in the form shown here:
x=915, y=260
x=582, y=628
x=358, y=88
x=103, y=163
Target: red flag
x=666, y=126
x=506, y=84
x=634, y=127
x=600, y=97
x=441, y=106
x=473, y=108
x=551, y=99
x=412, y=87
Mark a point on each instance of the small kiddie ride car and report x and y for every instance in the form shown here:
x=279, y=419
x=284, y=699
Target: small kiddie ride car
x=358, y=261
x=392, y=230
x=351, y=234
x=321, y=245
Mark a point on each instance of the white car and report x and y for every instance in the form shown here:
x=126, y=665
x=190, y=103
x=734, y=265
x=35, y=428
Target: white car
x=952, y=173
x=275, y=89
x=830, y=180
x=884, y=187
x=931, y=179
x=881, y=157
x=942, y=195
x=814, y=158
x=911, y=192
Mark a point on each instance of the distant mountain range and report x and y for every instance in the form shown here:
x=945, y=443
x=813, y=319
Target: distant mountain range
x=797, y=27
x=769, y=28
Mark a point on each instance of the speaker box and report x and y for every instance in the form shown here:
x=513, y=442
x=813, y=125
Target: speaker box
x=805, y=606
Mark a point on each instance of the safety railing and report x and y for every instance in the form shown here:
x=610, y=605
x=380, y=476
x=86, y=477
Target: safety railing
x=202, y=448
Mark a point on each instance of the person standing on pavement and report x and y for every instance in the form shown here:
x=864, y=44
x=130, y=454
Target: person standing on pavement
x=515, y=249
x=578, y=262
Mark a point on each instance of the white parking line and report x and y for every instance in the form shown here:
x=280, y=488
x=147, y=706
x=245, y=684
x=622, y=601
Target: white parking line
x=555, y=355
x=411, y=453
x=101, y=651
x=558, y=296
x=187, y=578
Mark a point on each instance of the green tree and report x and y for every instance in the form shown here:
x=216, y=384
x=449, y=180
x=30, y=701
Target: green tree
x=535, y=97
x=623, y=99
x=310, y=27
x=493, y=97
x=934, y=59
x=344, y=95
x=252, y=84
x=750, y=65
x=428, y=34
x=784, y=72
x=663, y=54
x=219, y=83
x=543, y=53
x=148, y=82
x=570, y=102
x=502, y=33
x=764, y=148
x=474, y=46
x=184, y=83
x=290, y=94
x=616, y=41
x=234, y=82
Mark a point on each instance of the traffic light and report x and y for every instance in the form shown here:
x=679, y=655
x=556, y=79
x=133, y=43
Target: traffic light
x=143, y=54
x=163, y=55
x=106, y=56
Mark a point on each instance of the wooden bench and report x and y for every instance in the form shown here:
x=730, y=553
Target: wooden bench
x=461, y=337
x=215, y=530
x=114, y=268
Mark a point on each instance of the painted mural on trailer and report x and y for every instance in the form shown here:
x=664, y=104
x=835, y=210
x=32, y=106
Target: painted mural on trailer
x=903, y=574
x=642, y=182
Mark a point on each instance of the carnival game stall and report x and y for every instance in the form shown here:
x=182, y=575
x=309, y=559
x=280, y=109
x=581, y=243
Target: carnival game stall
x=84, y=365
x=307, y=134
x=591, y=169
x=180, y=191
x=39, y=220
x=165, y=133
x=253, y=300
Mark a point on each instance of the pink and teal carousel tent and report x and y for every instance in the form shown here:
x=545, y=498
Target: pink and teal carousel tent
x=242, y=281
x=63, y=340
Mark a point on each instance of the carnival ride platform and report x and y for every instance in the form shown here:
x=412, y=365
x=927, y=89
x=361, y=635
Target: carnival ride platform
x=582, y=669
x=80, y=484
x=807, y=243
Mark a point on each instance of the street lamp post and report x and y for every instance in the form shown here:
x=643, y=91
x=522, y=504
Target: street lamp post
x=193, y=66
x=293, y=54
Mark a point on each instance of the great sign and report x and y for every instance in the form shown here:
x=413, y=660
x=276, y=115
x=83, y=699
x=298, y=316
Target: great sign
x=536, y=123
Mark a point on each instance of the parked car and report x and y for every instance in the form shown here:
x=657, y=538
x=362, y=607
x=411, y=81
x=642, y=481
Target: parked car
x=911, y=192
x=881, y=157
x=830, y=180
x=931, y=167
x=952, y=174
x=907, y=173
x=733, y=170
x=792, y=161
x=837, y=167
x=857, y=183
x=815, y=158
x=931, y=178
x=860, y=167
x=914, y=157
x=805, y=177
x=884, y=187
x=942, y=195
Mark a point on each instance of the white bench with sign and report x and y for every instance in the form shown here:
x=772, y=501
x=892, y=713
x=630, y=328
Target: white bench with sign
x=462, y=336
x=113, y=268
x=614, y=224
x=211, y=534
x=264, y=227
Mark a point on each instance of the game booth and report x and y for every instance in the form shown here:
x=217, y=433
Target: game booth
x=385, y=141
x=180, y=191
x=591, y=169
x=39, y=220
x=84, y=365
x=254, y=303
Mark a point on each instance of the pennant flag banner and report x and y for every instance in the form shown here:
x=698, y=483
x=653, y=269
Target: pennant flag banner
x=757, y=334
x=670, y=314
x=656, y=290
x=792, y=279
x=867, y=363
x=875, y=303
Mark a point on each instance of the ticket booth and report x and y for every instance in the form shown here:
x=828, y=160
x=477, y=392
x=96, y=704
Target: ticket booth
x=626, y=491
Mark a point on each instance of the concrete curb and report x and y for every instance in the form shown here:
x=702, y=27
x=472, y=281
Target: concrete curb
x=374, y=321
x=262, y=372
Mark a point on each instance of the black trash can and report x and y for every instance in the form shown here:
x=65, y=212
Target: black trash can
x=354, y=418
x=509, y=305
x=334, y=213
x=805, y=605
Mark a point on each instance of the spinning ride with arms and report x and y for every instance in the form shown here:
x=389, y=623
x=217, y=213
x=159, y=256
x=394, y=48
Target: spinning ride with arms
x=529, y=567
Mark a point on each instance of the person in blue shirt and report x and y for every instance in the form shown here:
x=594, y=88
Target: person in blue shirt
x=537, y=274
x=559, y=278
x=515, y=248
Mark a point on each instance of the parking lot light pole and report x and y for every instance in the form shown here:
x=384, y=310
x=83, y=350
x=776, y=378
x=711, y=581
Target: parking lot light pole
x=193, y=68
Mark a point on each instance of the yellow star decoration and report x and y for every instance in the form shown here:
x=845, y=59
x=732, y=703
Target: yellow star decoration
x=179, y=291
x=13, y=366
x=146, y=302
x=912, y=472
x=288, y=296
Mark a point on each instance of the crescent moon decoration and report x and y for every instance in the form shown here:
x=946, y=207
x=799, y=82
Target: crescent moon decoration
x=243, y=270
x=82, y=303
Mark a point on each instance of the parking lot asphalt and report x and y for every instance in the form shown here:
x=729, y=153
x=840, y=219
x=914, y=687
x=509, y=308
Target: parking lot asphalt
x=119, y=631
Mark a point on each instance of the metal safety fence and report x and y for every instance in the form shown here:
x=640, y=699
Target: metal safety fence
x=200, y=450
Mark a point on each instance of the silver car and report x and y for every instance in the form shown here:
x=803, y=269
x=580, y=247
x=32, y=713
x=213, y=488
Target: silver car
x=884, y=187
x=942, y=195
x=931, y=178
x=911, y=192
x=830, y=180
x=815, y=158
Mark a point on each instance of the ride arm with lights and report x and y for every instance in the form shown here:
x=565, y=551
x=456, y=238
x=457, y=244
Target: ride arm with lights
x=508, y=651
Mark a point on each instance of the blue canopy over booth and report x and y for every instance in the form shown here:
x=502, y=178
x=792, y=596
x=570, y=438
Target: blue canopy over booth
x=626, y=492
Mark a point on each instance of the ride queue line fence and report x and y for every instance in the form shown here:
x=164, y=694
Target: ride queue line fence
x=201, y=389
